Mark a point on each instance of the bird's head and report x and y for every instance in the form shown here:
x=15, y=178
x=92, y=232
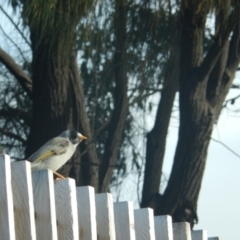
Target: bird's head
x=73, y=136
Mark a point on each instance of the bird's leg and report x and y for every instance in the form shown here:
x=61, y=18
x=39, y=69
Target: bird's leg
x=58, y=175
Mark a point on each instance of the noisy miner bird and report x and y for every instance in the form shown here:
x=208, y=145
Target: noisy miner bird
x=56, y=152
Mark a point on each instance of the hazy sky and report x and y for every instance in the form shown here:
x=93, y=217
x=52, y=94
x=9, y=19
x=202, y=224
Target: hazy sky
x=219, y=201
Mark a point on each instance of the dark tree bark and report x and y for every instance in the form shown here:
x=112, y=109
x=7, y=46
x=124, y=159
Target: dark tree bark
x=203, y=81
x=156, y=138
x=85, y=167
x=116, y=126
x=58, y=101
x=203, y=88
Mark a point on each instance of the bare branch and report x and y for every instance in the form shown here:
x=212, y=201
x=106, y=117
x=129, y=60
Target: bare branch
x=13, y=113
x=15, y=45
x=15, y=25
x=12, y=135
x=19, y=74
x=236, y=154
x=235, y=86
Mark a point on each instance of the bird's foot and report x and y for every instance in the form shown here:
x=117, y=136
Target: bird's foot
x=59, y=176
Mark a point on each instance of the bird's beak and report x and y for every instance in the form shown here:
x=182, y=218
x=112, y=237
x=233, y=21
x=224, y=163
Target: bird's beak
x=82, y=137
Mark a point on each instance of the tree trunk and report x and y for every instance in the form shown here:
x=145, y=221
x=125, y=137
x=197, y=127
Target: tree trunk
x=58, y=103
x=116, y=126
x=203, y=88
x=85, y=167
x=156, y=138
x=52, y=94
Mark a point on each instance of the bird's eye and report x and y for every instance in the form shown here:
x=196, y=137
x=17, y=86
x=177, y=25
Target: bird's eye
x=74, y=137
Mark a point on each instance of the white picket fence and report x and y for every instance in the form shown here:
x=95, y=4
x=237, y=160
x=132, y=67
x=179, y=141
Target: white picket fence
x=33, y=206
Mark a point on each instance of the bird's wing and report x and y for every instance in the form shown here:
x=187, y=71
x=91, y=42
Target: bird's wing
x=55, y=146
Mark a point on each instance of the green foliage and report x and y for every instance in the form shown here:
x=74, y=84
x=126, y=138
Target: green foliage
x=57, y=18
x=151, y=31
x=150, y=34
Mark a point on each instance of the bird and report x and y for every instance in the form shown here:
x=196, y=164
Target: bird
x=56, y=152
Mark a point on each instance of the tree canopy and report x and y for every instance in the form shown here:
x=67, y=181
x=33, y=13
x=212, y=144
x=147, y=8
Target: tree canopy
x=95, y=66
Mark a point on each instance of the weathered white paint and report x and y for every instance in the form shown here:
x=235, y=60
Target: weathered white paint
x=44, y=204
x=39, y=198
x=66, y=209
x=199, y=235
x=23, y=200
x=163, y=227
x=86, y=213
x=7, y=228
x=144, y=224
x=181, y=231
x=124, y=221
x=105, y=217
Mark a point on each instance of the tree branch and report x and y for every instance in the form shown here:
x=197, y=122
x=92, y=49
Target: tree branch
x=16, y=46
x=234, y=50
x=217, y=47
x=13, y=113
x=236, y=154
x=12, y=135
x=116, y=126
x=103, y=126
x=15, y=25
x=19, y=74
x=156, y=138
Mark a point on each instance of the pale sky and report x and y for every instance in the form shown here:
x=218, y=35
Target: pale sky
x=219, y=201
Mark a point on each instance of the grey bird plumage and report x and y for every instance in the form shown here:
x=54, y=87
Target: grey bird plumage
x=57, y=151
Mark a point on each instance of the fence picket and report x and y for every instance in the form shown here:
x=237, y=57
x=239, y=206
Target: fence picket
x=86, y=213
x=66, y=209
x=7, y=229
x=23, y=200
x=144, y=224
x=181, y=231
x=199, y=235
x=163, y=227
x=44, y=205
x=124, y=220
x=33, y=206
x=105, y=217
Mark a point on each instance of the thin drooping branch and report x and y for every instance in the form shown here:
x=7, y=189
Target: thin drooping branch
x=119, y=114
x=23, y=79
x=13, y=113
x=15, y=25
x=228, y=148
x=12, y=135
x=14, y=44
